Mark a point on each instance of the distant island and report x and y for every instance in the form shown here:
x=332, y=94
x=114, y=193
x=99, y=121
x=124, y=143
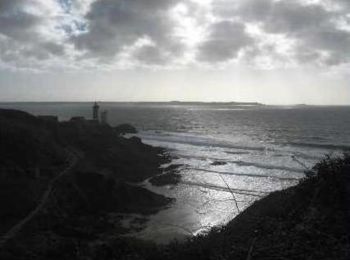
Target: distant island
x=184, y=103
x=216, y=103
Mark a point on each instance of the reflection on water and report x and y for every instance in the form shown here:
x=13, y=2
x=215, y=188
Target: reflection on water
x=204, y=196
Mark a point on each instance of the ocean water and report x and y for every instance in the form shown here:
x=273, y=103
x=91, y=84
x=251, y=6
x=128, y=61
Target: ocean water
x=230, y=155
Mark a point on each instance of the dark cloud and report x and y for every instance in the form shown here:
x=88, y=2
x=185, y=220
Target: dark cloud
x=313, y=27
x=20, y=38
x=224, y=42
x=15, y=22
x=145, y=30
x=151, y=55
x=8, y=4
x=289, y=17
x=343, y=3
x=113, y=25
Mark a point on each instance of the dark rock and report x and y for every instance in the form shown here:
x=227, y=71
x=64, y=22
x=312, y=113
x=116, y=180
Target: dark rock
x=125, y=129
x=170, y=177
x=165, y=179
x=136, y=139
x=216, y=163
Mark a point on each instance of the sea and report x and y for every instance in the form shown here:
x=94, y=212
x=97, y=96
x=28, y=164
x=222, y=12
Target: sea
x=230, y=154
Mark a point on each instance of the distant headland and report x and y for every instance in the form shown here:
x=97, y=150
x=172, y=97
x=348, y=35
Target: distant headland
x=174, y=102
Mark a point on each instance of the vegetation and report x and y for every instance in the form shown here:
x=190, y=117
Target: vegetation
x=83, y=206
x=125, y=129
x=308, y=221
x=27, y=147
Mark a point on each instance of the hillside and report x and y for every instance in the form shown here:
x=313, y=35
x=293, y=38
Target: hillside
x=28, y=148
x=79, y=203
x=308, y=221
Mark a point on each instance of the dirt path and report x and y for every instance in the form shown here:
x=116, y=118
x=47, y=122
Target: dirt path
x=73, y=158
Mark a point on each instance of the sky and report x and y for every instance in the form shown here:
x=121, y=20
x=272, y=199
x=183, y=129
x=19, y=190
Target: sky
x=268, y=51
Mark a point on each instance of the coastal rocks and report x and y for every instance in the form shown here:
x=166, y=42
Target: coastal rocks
x=91, y=193
x=125, y=129
x=170, y=177
x=165, y=179
x=217, y=163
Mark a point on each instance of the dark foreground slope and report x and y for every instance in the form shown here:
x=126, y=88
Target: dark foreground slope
x=28, y=149
x=308, y=221
x=81, y=175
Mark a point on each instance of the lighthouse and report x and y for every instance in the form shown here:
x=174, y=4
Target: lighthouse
x=95, y=113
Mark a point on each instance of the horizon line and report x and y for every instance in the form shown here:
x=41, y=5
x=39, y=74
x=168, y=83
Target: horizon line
x=177, y=102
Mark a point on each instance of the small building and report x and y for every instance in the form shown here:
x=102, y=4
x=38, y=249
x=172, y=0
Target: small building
x=104, y=118
x=77, y=119
x=95, y=111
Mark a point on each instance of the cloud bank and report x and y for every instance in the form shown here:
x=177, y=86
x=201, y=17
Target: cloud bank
x=74, y=35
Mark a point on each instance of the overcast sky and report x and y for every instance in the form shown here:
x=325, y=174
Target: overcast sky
x=274, y=52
